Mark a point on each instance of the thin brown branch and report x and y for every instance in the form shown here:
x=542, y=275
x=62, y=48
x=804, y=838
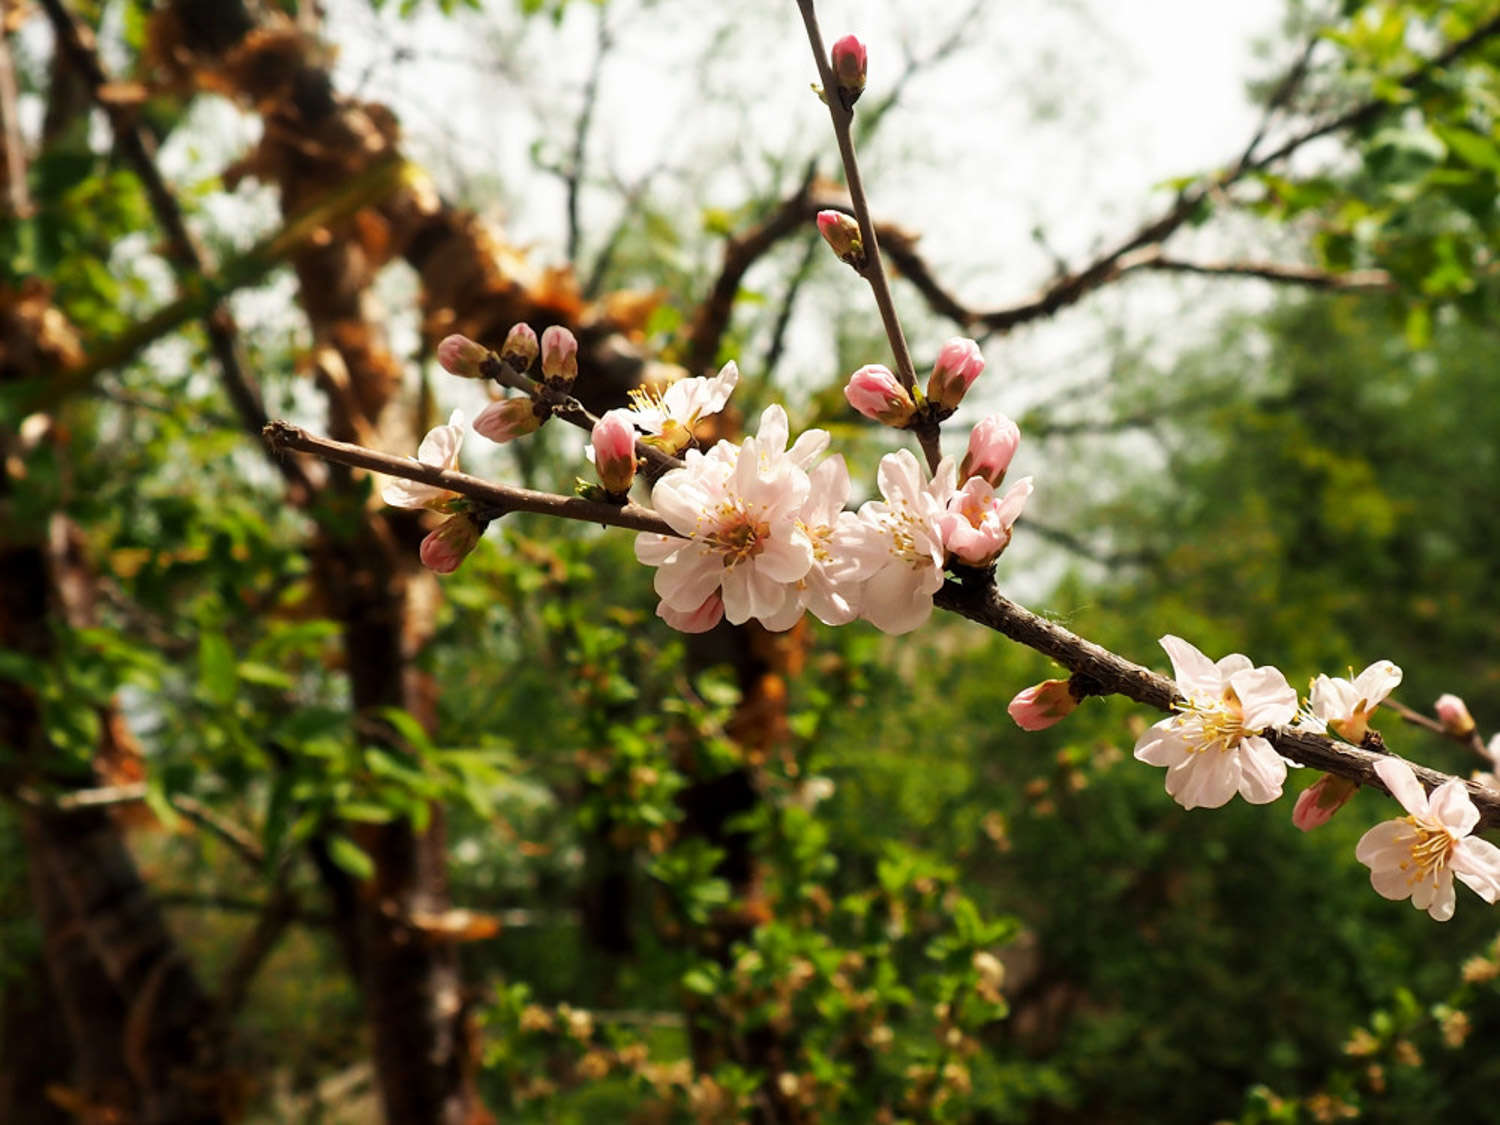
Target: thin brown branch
x=17, y=199
x=1353, y=281
x=1473, y=740
x=281, y=910
x=573, y=178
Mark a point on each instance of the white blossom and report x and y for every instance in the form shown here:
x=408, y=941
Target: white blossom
x=440, y=450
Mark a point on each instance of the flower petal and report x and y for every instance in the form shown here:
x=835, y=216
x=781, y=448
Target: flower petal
x=1262, y=771
x=1403, y=785
x=1194, y=672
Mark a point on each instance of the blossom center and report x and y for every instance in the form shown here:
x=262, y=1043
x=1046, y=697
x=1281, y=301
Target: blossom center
x=902, y=526
x=1430, y=850
x=738, y=536
x=1213, y=724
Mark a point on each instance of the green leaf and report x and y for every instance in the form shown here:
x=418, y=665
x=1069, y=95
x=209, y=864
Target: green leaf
x=351, y=857
x=216, y=670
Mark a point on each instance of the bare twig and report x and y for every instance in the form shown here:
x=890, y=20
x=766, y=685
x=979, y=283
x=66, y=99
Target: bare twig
x=280, y=911
x=573, y=176
x=17, y=201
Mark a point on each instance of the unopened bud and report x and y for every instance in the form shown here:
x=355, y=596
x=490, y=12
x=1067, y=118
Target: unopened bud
x=559, y=356
x=958, y=364
x=1454, y=715
x=992, y=444
x=876, y=393
x=520, y=347
x=459, y=355
x=841, y=233
x=449, y=544
x=849, y=59
x=1038, y=707
x=613, y=442
x=1320, y=800
x=509, y=418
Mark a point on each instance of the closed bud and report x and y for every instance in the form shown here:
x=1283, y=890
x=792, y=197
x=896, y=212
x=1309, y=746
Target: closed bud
x=509, y=418
x=559, y=356
x=613, y=443
x=449, y=544
x=958, y=364
x=1038, y=707
x=849, y=59
x=992, y=444
x=876, y=393
x=1454, y=715
x=841, y=233
x=459, y=355
x=1320, y=800
x=520, y=347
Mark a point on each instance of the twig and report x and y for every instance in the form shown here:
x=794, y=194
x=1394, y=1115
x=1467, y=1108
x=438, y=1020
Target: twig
x=280, y=911
x=978, y=601
x=17, y=203
x=574, y=175
x=1473, y=740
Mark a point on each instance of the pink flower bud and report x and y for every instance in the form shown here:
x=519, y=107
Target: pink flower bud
x=1454, y=715
x=1038, y=707
x=459, y=355
x=977, y=525
x=958, y=365
x=449, y=544
x=559, y=356
x=876, y=393
x=849, y=59
x=992, y=444
x=613, y=442
x=1320, y=800
x=700, y=620
x=841, y=233
x=508, y=418
x=520, y=347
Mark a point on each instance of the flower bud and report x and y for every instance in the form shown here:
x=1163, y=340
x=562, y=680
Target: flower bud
x=849, y=59
x=613, y=442
x=841, y=233
x=876, y=393
x=958, y=365
x=449, y=544
x=520, y=347
x=1038, y=707
x=508, y=418
x=559, y=356
x=1454, y=715
x=992, y=444
x=459, y=355
x=1320, y=800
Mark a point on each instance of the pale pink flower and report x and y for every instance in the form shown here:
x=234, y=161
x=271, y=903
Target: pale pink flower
x=1212, y=747
x=669, y=415
x=959, y=363
x=699, y=620
x=771, y=439
x=740, y=533
x=1041, y=705
x=977, y=525
x=612, y=445
x=896, y=544
x=831, y=588
x=1418, y=855
x=459, y=355
x=1346, y=705
x=992, y=445
x=440, y=450
x=876, y=393
x=1319, y=801
x=449, y=544
x=507, y=419
x=520, y=347
x=559, y=356
x=1453, y=713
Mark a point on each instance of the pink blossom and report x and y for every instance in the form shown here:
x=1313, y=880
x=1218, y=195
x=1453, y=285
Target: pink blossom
x=1041, y=705
x=992, y=444
x=896, y=544
x=850, y=61
x=699, y=620
x=613, y=446
x=670, y=414
x=1212, y=746
x=449, y=544
x=831, y=588
x=559, y=355
x=507, y=419
x=841, y=233
x=1453, y=713
x=977, y=524
x=520, y=348
x=959, y=363
x=459, y=355
x=1346, y=705
x=440, y=450
x=1319, y=801
x=1417, y=855
x=876, y=393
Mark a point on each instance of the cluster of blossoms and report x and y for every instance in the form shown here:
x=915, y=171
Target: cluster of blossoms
x=762, y=527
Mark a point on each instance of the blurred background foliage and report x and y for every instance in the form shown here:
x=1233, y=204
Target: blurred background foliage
x=947, y=919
